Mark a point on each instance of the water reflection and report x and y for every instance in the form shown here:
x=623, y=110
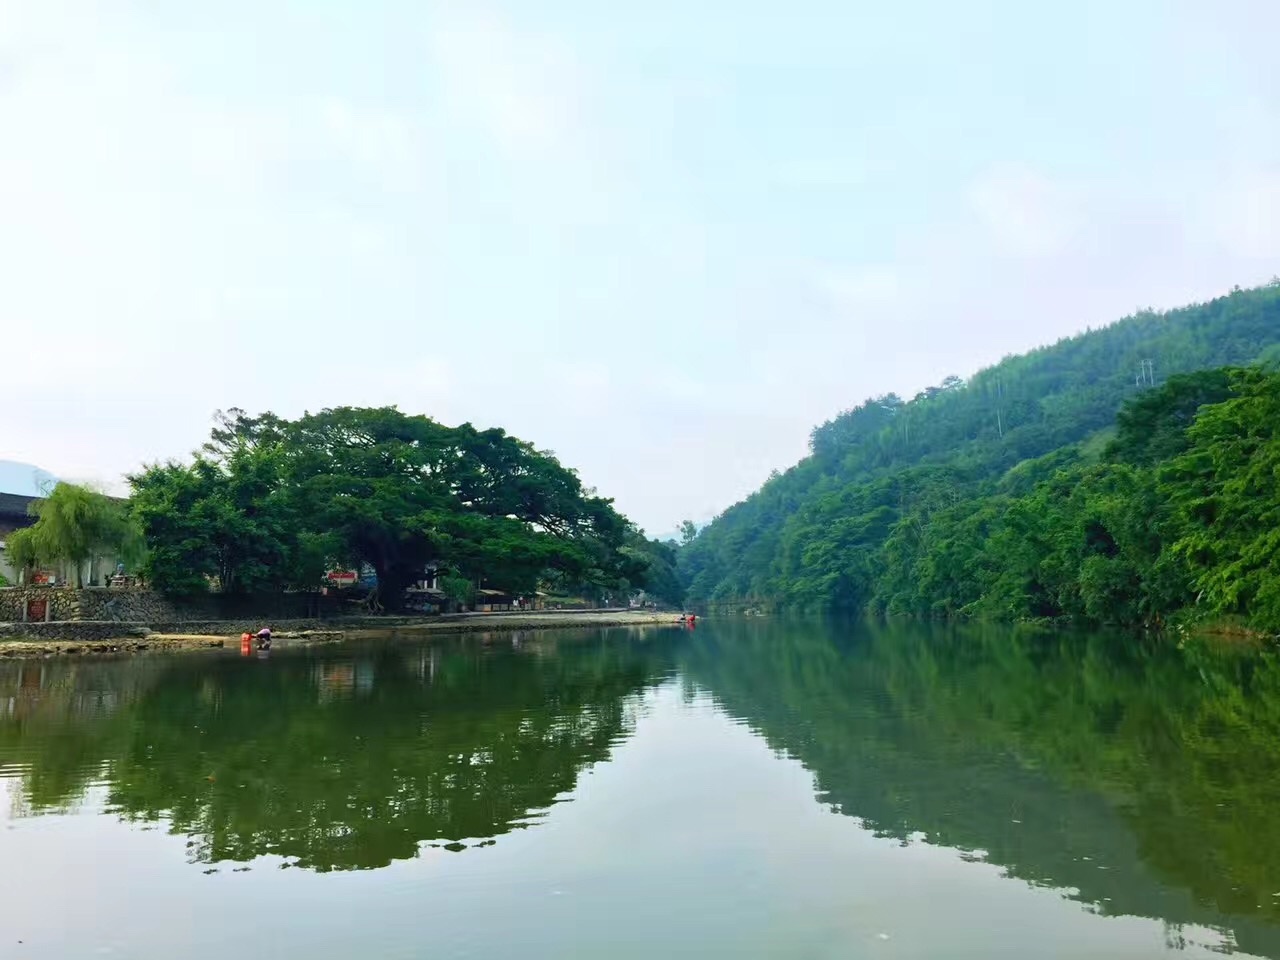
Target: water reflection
x=1134, y=776
x=1129, y=775
x=331, y=759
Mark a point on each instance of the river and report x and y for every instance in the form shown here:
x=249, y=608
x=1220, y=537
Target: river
x=746, y=789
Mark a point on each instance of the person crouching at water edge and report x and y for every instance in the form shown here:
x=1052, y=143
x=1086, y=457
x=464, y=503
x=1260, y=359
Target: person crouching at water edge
x=261, y=639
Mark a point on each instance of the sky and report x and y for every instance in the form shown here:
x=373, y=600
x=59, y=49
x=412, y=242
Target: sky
x=662, y=239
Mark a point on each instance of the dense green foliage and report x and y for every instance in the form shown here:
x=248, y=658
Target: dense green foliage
x=1225, y=493
x=1070, y=482
x=1180, y=512
x=269, y=504
x=74, y=525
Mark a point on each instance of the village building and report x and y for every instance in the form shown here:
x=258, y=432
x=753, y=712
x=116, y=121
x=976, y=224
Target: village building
x=21, y=485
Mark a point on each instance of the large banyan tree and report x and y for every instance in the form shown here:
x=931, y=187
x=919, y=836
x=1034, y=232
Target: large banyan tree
x=270, y=503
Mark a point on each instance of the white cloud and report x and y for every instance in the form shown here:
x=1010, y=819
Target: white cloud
x=388, y=145
x=859, y=289
x=1025, y=213
x=524, y=89
x=528, y=102
x=1245, y=216
x=170, y=250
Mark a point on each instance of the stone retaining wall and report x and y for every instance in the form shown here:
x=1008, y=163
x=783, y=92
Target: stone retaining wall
x=147, y=606
x=76, y=630
x=82, y=630
x=92, y=603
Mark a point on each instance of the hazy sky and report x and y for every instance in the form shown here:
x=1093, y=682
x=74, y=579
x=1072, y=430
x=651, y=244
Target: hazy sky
x=661, y=238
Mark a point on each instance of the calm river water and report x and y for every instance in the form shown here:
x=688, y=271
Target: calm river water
x=764, y=789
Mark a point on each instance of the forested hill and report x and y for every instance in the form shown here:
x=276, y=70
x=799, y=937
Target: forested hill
x=816, y=535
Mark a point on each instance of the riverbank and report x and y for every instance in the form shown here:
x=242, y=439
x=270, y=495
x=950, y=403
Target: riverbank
x=89, y=637
x=542, y=620
x=19, y=649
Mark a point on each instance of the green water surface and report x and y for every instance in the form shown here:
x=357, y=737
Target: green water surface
x=752, y=789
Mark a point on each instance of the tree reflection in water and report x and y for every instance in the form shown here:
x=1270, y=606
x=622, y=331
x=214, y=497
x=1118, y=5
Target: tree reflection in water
x=331, y=758
x=1133, y=775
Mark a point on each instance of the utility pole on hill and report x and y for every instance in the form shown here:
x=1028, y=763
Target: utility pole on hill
x=1146, y=374
x=999, y=397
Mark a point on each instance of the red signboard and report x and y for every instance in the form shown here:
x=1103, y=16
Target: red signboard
x=37, y=609
x=44, y=577
x=342, y=578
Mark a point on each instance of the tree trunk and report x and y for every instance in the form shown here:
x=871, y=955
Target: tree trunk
x=392, y=582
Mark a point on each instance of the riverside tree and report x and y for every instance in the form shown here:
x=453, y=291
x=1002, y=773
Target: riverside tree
x=223, y=520
x=269, y=502
x=1225, y=491
x=74, y=526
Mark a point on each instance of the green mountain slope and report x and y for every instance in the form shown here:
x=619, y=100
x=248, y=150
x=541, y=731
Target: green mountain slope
x=815, y=536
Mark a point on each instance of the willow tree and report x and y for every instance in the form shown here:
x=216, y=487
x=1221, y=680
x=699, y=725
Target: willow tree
x=74, y=525
x=20, y=550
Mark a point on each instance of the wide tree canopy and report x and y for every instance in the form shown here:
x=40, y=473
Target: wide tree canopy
x=268, y=503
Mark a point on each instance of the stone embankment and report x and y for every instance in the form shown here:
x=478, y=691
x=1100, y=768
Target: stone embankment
x=91, y=604
x=151, y=641
x=107, y=636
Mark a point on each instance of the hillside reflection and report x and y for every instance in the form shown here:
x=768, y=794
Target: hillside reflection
x=1134, y=776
